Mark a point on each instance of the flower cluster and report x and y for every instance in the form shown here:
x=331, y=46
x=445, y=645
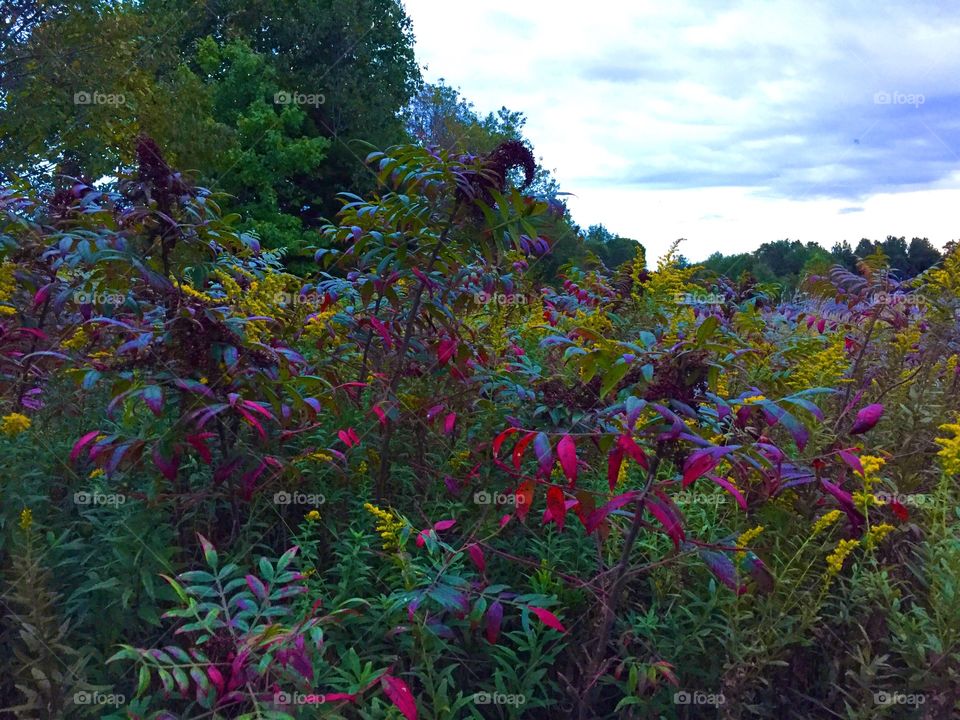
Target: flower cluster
x=950, y=449
x=389, y=526
x=839, y=555
x=826, y=520
x=14, y=424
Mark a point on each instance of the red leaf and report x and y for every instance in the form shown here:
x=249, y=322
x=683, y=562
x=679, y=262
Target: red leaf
x=442, y=525
x=852, y=460
x=556, y=505
x=449, y=422
x=899, y=510
x=476, y=555
x=668, y=518
x=599, y=515
x=627, y=444
x=197, y=441
x=614, y=461
x=168, y=467
x=567, y=452
x=867, y=418
x=523, y=497
x=381, y=415
x=400, y=695
x=348, y=437
x=498, y=440
x=494, y=617
x=520, y=447
x=729, y=487
x=216, y=677
x=446, y=350
x=79, y=445
x=548, y=618
x=699, y=463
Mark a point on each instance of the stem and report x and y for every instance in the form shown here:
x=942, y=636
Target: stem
x=384, y=471
x=613, y=598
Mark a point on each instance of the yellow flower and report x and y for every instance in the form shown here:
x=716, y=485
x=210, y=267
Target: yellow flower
x=77, y=340
x=871, y=466
x=14, y=424
x=7, y=310
x=320, y=457
x=825, y=521
x=864, y=500
x=389, y=526
x=204, y=380
x=26, y=519
x=749, y=536
x=751, y=400
x=8, y=283
x=96, y=473
x=950, y=449
x=876, y=534
x=312, y=516
x=836, y=558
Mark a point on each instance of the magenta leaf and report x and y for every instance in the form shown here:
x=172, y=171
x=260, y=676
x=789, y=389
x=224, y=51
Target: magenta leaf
x=548, y=618
x=400, y=695
x=867, y=418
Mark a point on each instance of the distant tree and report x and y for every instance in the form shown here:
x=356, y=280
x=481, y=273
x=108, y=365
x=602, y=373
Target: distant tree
x=865, y=248
x=922, y=255
x=896, y=251
x=844, y=255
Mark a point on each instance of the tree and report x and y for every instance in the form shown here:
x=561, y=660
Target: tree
x=896, y=250
x=865, y=248
x=843, y=255
x=921, y=255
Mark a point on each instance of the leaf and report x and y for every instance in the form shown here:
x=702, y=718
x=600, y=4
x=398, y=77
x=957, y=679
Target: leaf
x=494, y=617
x=257, y=587
x=852, y=460
x=567, y=452
x=556, y=505
x=668, y=518
x=209, y=552
x=523, y=498
x=476, y=555
x=614, y=461
x=613, y=377
x=595, y=518
x=723, y=568
x=867, y=418
x=498, y=440
x=730, y=488
x=83, y=441
x=547, y=618
x=400, y=695
x=630, y=447
x=541, y=446
x=520, y=447
x=448, y=423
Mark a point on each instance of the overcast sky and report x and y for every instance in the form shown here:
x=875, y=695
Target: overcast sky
x=727, y=123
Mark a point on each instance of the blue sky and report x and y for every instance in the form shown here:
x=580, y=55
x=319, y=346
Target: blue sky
x=727, y=123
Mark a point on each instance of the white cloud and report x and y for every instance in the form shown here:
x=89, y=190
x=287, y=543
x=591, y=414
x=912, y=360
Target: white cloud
x=730, y=123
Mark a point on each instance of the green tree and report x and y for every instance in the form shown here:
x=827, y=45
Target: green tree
x=921, y=255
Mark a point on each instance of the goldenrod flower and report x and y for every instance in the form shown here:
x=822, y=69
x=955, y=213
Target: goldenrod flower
x=836, y=559
x=752, y=400
x=96, y=473
x=320, y=457
x=825, y=521
x=747, y=537
x=14, y=424
x=26, y=519
x=950, y=449
x=312, y=516
x=389, y=526
x=876, y=534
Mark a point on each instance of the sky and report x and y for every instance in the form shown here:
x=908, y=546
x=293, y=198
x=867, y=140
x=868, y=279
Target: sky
x=729, y=124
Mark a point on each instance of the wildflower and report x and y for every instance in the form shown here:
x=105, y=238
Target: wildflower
x=26, y=519
x=950, y=449
x=749, y=536
x=204, y=380
x=14, y=424
x=876, y=534
x=839, y=555
x=825, y=521
x=864, y=500
x=96, y=473
x=389, y=526
x=312, y=516
x=77, y=339
x=752, y=400
x=8, y=283
x=7, y=310
x=320, y=457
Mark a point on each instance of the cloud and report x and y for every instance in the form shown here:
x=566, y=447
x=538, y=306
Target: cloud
x=781, y=101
